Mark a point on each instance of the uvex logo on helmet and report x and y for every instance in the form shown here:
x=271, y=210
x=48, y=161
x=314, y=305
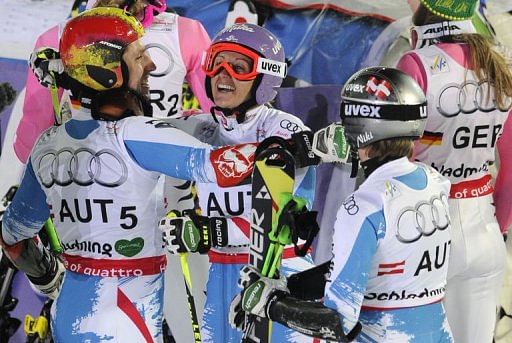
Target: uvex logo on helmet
x=271, y=67
x=357, y=110
x=355, y=87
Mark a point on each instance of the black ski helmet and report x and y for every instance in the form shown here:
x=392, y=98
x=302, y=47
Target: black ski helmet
x=379, y=103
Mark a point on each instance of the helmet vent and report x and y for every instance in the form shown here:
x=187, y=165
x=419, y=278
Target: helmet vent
x=106, y=78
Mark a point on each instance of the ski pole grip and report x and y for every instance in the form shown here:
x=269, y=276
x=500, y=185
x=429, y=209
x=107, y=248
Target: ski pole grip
x=53, y=238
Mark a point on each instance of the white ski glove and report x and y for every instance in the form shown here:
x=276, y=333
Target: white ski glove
x=193, y=233
x=258, y=294
x=45, y=63
x=330, y=144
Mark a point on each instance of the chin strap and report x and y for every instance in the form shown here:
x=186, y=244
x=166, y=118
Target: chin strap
x=237, y=112
x=427, y=35
x=354, y=160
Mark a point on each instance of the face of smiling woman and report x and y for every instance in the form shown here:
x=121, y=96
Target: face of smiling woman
x=227, y=91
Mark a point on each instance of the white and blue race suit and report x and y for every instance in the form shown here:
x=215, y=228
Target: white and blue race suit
x=98, y=181
x=390, y=256
x=234, y=203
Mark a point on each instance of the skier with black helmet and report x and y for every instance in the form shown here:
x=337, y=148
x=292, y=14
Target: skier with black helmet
x=244, y=65
x=391, y=236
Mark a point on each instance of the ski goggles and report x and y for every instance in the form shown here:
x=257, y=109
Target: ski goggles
x=259, y=65
x=153, y=8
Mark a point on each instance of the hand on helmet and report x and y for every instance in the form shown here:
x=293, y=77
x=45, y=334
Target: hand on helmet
x=330, y=144
x=45, y=63
x=189, y=232
x=258, y=294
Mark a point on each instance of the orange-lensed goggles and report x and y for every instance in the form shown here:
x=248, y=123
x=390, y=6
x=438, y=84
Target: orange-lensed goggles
x=259, y=64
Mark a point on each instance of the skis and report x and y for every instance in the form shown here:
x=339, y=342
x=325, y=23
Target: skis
x=272, y=186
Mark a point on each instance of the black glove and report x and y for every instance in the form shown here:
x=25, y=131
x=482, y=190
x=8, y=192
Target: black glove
x=189, y=232
x=302, y=145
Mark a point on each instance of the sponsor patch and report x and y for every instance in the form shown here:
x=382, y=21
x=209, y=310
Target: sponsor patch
x=271, y=67
x=129, y=248
x=233, y=164
x=439, y=65
x=350, y=206
x=356, y=110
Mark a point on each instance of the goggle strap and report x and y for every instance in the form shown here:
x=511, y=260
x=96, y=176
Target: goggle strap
x=271, y=67
x=203, y=59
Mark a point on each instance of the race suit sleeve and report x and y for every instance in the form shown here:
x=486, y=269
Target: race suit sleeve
x=503, y=184
x=158, y=146
x=37, y=107
x=357, y=230
x=28, y=211
x=194, y=41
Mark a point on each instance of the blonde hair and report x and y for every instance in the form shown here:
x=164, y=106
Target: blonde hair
x=136, y=7
x=395, y=147
x=486, y=63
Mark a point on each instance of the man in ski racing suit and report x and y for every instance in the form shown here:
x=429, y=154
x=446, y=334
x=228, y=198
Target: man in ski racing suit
x=97, y=177
x=176, y=61
x=241, y=88
x=166, y=39
x=391, y=236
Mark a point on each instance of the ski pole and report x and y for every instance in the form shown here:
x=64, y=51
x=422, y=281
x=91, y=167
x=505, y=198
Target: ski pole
x=53, y=238
x=188, y=288
x=191, y=303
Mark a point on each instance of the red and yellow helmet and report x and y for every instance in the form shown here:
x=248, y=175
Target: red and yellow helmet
x=92, y=45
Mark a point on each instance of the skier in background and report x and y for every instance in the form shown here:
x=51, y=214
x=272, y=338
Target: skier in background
x=469, y=91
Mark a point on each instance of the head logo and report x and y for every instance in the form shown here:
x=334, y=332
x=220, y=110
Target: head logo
x=363, y=138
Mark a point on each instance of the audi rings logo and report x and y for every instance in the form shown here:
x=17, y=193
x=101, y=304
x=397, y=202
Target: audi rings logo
x=162, y=57
x=289, y=125
x=423, y=219
x=82, y=167
x=350, y=206
x=467, y=97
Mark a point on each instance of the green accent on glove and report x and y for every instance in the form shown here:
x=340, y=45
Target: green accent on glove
x=190, y=236
x=252, y=296
x=340, y=143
